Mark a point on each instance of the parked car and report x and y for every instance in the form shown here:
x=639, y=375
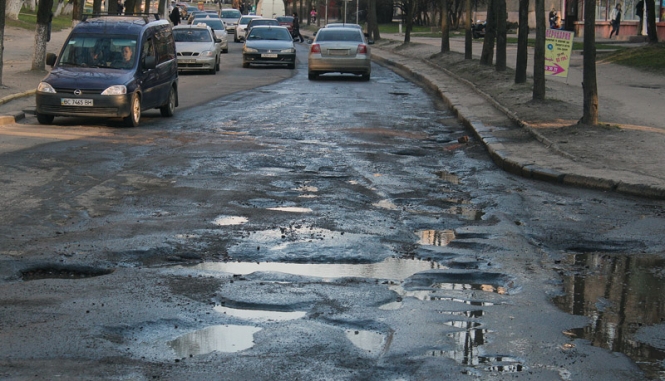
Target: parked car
x=286, y=21
x=260, y=21
x=230, y=17
x=113, y=66
x=269, y=45
x=197, y=48
x=217, y=26
x=339, y=50
x=242, y=26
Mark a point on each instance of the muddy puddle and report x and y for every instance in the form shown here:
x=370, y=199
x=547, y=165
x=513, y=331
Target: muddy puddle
x=621, y=294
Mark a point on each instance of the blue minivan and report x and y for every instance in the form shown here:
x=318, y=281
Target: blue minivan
x=112, y=66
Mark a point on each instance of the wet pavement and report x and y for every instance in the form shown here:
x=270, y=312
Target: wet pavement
x=303, y=231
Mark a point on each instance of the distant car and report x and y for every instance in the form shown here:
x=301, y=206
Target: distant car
x=242, y=26
x=286, y=21
x=197, y=48
x=200, y=15
x=339, y=50
x=191, y=15
x=260, y=21
x=269, y=45
x=217, y=26
x=230, y=17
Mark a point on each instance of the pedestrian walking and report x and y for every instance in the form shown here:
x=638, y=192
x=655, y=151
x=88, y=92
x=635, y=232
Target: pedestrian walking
x=615, y=19
x=296, y=27
x=175, y=15
x=639, y=11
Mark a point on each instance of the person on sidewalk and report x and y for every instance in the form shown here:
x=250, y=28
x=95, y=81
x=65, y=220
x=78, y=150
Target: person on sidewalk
x=296, y=27
x=615, y=19
x=175, y=15
x=639, y=11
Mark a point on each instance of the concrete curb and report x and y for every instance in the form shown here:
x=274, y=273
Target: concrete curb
x=18, y=115
x=496, y=150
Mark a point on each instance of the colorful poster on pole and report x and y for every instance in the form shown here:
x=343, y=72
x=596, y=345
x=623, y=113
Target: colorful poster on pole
x=558, y=47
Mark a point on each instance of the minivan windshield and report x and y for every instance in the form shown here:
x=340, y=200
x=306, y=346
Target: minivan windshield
x=99, y=51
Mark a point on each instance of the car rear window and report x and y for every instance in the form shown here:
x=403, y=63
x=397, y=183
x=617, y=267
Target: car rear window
x=339, y=34
x=285, y=19
x=191, y=35
x=232, y=13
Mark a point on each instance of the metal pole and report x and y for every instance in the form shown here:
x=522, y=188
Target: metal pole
x=345, y=2
x=357, y=6
x=326, y=12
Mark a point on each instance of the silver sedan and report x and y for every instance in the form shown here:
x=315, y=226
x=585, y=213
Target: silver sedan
x=339, y=50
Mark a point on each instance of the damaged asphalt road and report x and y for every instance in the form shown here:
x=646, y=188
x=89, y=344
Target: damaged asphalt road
x=330, y=231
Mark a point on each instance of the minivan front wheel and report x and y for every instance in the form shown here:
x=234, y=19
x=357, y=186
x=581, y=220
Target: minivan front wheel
x=132, y=120
x=168, y=109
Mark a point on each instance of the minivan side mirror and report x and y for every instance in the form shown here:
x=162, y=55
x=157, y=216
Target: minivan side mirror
x=150, y=62
x=50, y=59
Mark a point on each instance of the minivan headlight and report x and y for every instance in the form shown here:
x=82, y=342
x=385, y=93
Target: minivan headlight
x=44, y=87
x=115, y=90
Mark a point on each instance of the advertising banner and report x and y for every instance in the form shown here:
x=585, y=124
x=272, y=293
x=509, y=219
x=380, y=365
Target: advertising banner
x=558, y=47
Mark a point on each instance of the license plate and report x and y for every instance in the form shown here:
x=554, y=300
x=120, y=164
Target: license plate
x=338, y=52
x=268, y=55
x=76, y=102
x=187, y=61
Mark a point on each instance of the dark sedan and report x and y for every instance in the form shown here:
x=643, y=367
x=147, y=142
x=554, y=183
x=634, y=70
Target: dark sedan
x=269, y=45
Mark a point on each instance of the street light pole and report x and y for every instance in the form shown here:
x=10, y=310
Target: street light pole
x=345, y=2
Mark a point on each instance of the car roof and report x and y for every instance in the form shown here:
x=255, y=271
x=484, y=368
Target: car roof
x=192, y=26
x=116, y=24
x=343, y=25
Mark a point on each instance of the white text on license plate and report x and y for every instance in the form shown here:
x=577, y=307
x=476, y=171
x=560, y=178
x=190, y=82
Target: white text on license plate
x=268, y=55
x=75, y=102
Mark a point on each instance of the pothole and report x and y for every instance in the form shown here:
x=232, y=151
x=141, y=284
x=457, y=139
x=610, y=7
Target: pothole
x=217, y=338
x=229, y=220
x=62, y=272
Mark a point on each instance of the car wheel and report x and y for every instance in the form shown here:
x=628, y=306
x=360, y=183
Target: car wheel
x=312, y=76
x=365, y=77
x=44, y=119
x=132, y=120
x=245, y=65
x=168, y=109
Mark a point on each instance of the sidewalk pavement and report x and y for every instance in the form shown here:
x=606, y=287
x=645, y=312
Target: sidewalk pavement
x=628, y=160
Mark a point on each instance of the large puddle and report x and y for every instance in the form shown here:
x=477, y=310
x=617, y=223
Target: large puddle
x=620, y=294
x=392, y=268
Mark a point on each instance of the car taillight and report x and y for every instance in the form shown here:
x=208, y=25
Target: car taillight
x=316, y=48
x=362, y=49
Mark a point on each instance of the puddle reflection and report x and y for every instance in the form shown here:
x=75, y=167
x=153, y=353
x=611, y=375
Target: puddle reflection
x=435, y=237
x=620, y=294
x=369, y=341
x=220, y=338
x=449, y=177
x=391, y=268
x=229, y=220
x=260, y=315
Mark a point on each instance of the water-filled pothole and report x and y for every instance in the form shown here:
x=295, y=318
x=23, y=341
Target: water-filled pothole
x=372, y=342
x=229, y=220
x=435, y=237
x=620, y=294
x=448, y=177
x=260, y=315
x=391, y=268
x=62, y=272
x=219, y=338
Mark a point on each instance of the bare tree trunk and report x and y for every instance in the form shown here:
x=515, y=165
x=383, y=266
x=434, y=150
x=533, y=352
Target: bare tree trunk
x=372, y=24
x=522, y=43
x=58, y=9
x=539, y=52
x=97, y=7
x=146, y=6
x=69, y=8
x=2, y=36
x=112, y=7
x=468, y=35
x=31, y=5
x=77, y=12
x=487, y=55
x=501, y=42
x=163, y=10
x=129, y=6
x=42, y=31
x=589, y=84
x=410, y=9
x=13, y=9
x=445, y=27
x=651, y=21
